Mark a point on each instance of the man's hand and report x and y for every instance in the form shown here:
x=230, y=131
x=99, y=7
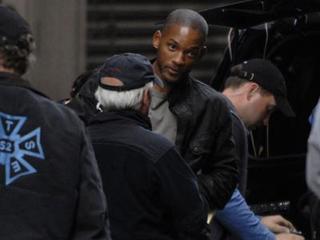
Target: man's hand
x=277, y=224
x=288, y=236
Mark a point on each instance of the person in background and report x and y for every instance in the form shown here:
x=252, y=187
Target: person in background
x=77, y=85
x=49, y=179
x=254, y=89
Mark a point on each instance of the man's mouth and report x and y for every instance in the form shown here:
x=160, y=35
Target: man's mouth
x=173, y=71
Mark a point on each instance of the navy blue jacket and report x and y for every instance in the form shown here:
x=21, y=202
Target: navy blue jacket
x=151, y=191
x=50, y=187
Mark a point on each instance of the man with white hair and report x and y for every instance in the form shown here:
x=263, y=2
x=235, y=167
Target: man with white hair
x=151, y=191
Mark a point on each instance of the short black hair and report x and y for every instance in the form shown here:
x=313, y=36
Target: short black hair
x=80, y=81
x=189, y=18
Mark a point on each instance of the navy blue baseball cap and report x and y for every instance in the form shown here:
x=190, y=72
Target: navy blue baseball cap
x=133, y=70
x=12, y=26
x=269, y=77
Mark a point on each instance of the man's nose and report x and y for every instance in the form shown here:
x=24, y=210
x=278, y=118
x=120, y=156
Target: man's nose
x=179, y=58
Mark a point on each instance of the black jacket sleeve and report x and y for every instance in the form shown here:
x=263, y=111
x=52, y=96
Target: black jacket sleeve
x=219, y=175
x=91, y=216
x=180, y=193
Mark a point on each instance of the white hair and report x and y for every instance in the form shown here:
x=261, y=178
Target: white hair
x=119, y=100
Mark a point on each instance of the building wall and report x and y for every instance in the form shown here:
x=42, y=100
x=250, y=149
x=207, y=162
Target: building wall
x=59, y=29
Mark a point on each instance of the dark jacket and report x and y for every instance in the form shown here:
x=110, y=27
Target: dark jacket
x=240, y=134
x=204, y=138
x=50, y=187
x=151, y=191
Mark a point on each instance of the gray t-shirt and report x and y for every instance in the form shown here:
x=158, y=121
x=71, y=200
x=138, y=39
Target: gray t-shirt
x=162, y=120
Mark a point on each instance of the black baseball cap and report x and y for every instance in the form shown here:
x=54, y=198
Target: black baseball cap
x=133, y=70
x=12, y=25
x=269, y=77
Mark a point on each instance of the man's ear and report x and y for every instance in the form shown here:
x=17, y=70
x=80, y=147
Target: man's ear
x=156, y=38
x=252, y=89
x=145, y=102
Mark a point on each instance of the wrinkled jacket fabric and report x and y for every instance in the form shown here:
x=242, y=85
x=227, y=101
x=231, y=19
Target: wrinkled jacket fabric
x=204, y=138
x=50, y=187
x=151, y=191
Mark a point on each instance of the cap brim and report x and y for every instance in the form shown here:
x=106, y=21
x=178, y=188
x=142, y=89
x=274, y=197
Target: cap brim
x=284, y=106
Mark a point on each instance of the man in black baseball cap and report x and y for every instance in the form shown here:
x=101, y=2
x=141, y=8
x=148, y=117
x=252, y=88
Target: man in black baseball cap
x=254, y=89
x=257, y=88
x=269, y=77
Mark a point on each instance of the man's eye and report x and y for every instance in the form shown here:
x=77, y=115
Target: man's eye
x=192, y=54
x=172, y=47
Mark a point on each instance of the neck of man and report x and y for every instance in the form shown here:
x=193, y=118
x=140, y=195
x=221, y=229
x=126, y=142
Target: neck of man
x=235, y=96
x=162, y=89
x=165, y=89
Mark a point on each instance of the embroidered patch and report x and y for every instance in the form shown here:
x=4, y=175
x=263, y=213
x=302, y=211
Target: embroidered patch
x=14, y=147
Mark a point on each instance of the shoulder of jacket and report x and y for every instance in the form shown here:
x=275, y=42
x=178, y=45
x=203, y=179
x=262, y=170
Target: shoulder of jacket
x=206, y=92
x=58, y=111
x=160, y=143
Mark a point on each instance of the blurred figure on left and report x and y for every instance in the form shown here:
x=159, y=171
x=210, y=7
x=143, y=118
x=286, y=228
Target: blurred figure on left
x=50, y=187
